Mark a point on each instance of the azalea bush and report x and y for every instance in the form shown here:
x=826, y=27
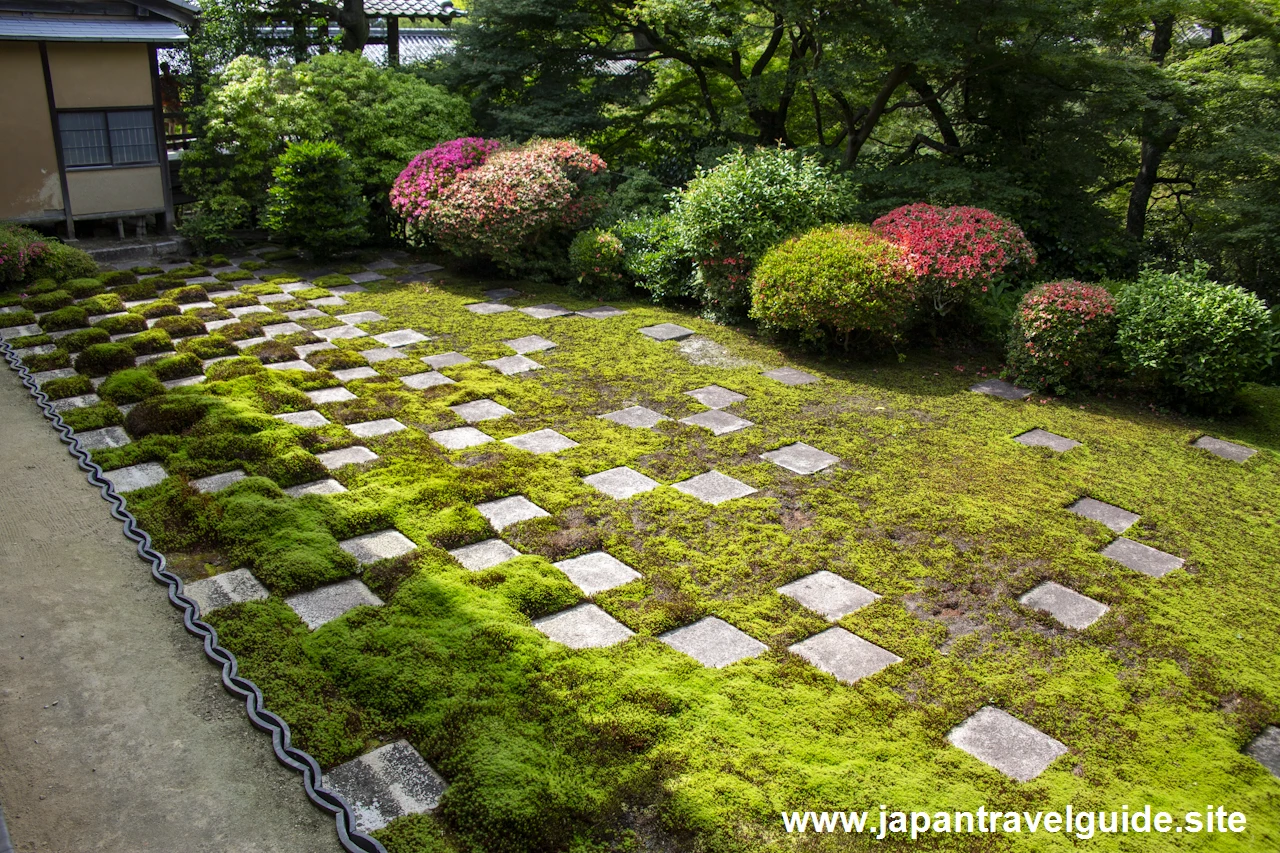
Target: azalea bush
x=427, y=174
x=19, y=248
x=595, y=261
x=1063, y=336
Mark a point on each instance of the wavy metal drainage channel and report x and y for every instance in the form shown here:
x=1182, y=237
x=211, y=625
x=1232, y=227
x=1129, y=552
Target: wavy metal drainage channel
x=352, y=839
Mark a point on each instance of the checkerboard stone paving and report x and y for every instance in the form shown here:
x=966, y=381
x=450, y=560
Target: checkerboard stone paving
x=484, y=555
x=68, y=403
x=327, y=486
x=585, y=626
x=666, y=332
x=541, y=441
x=390, y=782
x=361, y=317
x=505, y=512
x=327, y=301
x=305, y=350
x=530, y=343
x=296, y=364
x=218, y=482
x=382, y=426
x=637, y=417
x=373, y=356
x=278, y=329
x=717, y=421
x=1117, y=520
x=27, y=331
x=1142, y=558
x=601, y=312
x=135, y=477
x=715, y=397
x=596, y=572
x=98, y=439
x=790, y=376
x=828, y=594
x=353, y=373
x=500, y=293
x=459, y=438
x=843, y=654
x=382, y=545
x=401, y=338
x=322, y=605
x=246, y=343
x=248, y=309
x=480, y=410
x=1064, y=604
x=1043, y=438
x=335, y=459
x=800, y=458
x=224, y=589
x=49, y=375
x=338, y=333
x=330, y=395
x=512, y=364
x=485, y=308
x=1000, y=388
x=271, y=298
x=714, y=488
x=1265, y=749
x=1224, y=449
x=1017, y=750
x=713, y=642
x=621, y=483
x=423, y=381
x=444, y=359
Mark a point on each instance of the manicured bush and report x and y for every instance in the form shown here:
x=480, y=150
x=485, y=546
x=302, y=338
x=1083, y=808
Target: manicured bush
x=178, y=366
x=655, y=259
x=77, y=341
x=123, y=324
x=83, y=288
x=149, y=342
x=315, y=200
x=130, y=386
x=71, y=317
x=101, y=359
x=187, y=294
x=211, y=222
x=419, y=185
x=20, y=250
x=61, y=262
x=1063, y=337
x=835, y=284
x=1198, y=339
x=50, y=301
x=103, y=303
x=595, y=261
x=955, y=251
x=180, y=326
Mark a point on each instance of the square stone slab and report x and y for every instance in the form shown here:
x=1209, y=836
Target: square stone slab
x=1017, y=750
x=135, y=476
x=42, y=349
x=790, y=376
x=1265, y=749
x=714, y=488
x=1225, y=449
x=20, y=331
x=269, y=298
x=383, y=426
x=1066, y=605
x=192, y=306
x=1116, y=519
x=373, y=356
x=327, y=603
x=68, y=403
x=459, y=438
x=488, y=308
x=505, y=512
x=1142, y=558
x=210, y=326
x=1000, y=388
x=1043, y=438
x=307, y=349
x=218, y=482
x=353, y=373
x=800, y=458
x=49, y=375
x=194, y=380
x=382, y=545
x=829, y=594
x=347, y=289
x=306, y=314
x=423, y=381
x=666, y=332
x=337, y=333
x=480, y=410
x=717, y=421
x=596, y=572
x=401, y=338
x=316, y=487
x=327, y=302
x=715, y=397
x=445, y=359
x=383, y=264
x=330, y=395
x=292, y=286
x=98, y=439
x=249, y=309
x=500, y=293
x=530, y=343
x=542, y=441
x=713, y=642
x=309, y=418
x=335, y=459
x=226, y=588
x=636, y=416
x=583, y=627
x=602, y=312
x=844, y=654
x=361, y=317
x=296, y=364
x=484, y=555
x=513, y=364
x=621, y=483
x=277, y=329
x=366, y=277
x=545, y=312
x=241, y=344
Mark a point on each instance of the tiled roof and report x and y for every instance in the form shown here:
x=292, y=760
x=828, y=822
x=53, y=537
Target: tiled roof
x=15, y=28
x=415, y=46
x=440, y=9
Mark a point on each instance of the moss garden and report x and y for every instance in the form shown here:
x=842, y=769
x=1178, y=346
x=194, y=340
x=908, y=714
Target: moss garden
x=932, y=506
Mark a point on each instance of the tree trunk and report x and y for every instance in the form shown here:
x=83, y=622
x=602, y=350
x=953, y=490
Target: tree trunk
x=355, y=26
x=856, y=139
x=1157, y=138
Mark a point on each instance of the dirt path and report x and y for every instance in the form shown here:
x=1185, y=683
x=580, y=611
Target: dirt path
x=115, y=733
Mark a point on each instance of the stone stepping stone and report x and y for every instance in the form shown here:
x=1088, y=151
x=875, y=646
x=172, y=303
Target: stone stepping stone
x=713, y=642
x=224, y=589
x=505, y=512
x=49, y=375
x=484, y=555
x=390, y=782
x=327, y=302
x=355, y=373
x=204, y=279
x=57, y=336
x=621, y=483
x=277, y=329
x=715, y=397
x=829, y=594
x=95, y=319
x=335, y=459
x=1265, y=749
x=40, y=349
x=1017, y=750
x=484, y=308
x=500, y=293
x=20, y=331
x=401, y=338
x=423, y=381
x=337, y=333
x=1000, y=388
x=545, y=311
x=247, y=342
x=307, y=349
x=718, y=422
x=714, y=488
x=361, y=317
x=329, y=486
x=637, y=417
x=596, y=572
x=513, y=364
x=542, y=441
x=272, y=298
x=294, y=286
x=666, y=332
x=425, y=267
x=583, y=627
x=1142, y=558
x=248, y=309
x=306, y=314
x=98, y=439
x=366, y=277
x=800, y=458
x=66, y=404
x=1116, y=519
x=382, y=426
x=480, y=410
x=530, y=343
x=330, y=395
x=844, y=655
x=790, y=376
x=1224, y=449
x=382, y=264
x=135, y=477
x=209, y=361
x=602, y=312
x=444, y=359
x=459, y=438
x=382, y=545
x=296, y=364
x=1066, y=605
x=218, y=482
x=327, y=603
x=347, y=289
x=211, y=326
x=1043, y=438
x=373, y=356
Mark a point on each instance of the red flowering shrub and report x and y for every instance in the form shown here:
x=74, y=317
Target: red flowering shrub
x=419, y=185
x=19, y=249
x=1063, y=336
x=955, y=251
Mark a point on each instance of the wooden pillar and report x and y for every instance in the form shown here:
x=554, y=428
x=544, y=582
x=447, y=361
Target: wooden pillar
x=393, y=41
x=57, y=143
x=162, y=145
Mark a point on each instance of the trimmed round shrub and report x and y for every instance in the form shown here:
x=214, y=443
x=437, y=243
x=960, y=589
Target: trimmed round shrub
x=655, y=259
x=150, y=341
x=101, y=359
x=61, y=262
x=595, y=260
x=51, y=301
x=83, y=288
x=168, y=414
x=178, y=366
x=123, y=324
x=103, y=303
x=315, y=201
x=130, y=386
x=20, y=250
x=1063, y=337
x=835, y=284
x=71, y=317
x=180, y=326
x=77, y=341
x=419, y=185
x=1200, y=340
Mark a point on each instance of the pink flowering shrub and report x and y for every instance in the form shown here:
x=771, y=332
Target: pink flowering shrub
x=955, y=251
x=421, y=182
x=1063, y=336
x=20, y=248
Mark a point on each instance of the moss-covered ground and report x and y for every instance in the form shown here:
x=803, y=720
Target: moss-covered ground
x=636, y=747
